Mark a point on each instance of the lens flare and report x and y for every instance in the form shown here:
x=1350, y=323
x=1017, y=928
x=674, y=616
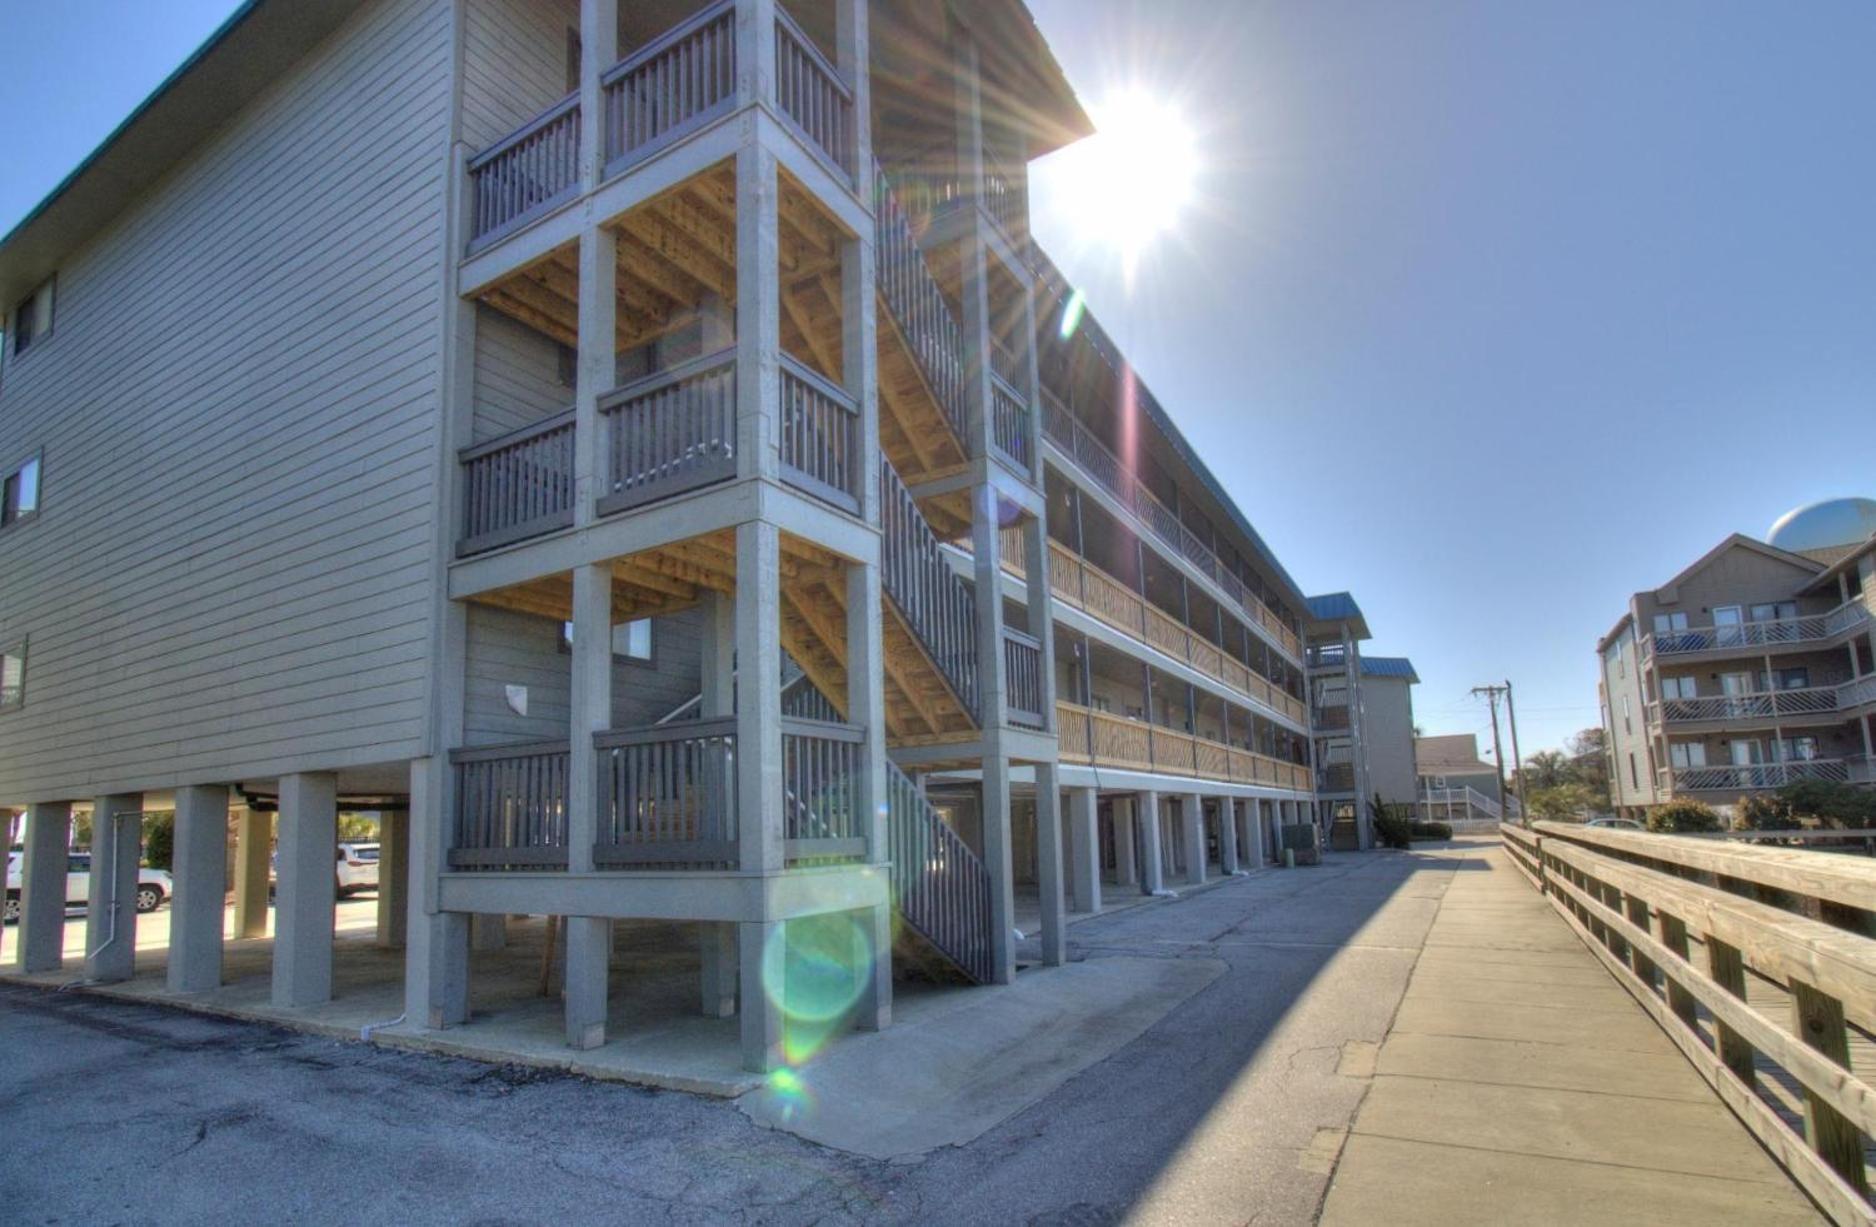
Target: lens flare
x=1132, y=182
x=814, y=971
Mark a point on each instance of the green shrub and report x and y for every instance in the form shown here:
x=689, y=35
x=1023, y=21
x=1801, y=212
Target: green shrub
x=159, y=840
x=1681, y=817
x=1431, y=830
x=1828, y=803
x=1393, y=824
x=1762, y=811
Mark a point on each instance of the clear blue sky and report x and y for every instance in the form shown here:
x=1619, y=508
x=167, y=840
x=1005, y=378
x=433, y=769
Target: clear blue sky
x=1470, y=286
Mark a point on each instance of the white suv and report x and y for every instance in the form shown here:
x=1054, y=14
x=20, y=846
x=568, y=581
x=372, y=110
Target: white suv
x=153, y=885
x=358, y=868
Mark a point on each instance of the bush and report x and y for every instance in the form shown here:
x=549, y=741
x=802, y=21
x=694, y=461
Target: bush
x=1391, y=826
x=1681, y=817
x=159, y=841
x=1828, y=803
x=1762, y=812
x=1431, y=830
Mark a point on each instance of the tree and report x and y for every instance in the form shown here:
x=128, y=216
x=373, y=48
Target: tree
x=1544, y=769
x=1828, y=803
x=1566, y=802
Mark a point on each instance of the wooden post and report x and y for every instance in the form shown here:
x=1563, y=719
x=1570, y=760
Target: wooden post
x=1729, y=972
x=1673, y=934
x=1818, y=1020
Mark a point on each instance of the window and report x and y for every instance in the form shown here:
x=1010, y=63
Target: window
x=630, y=641
x=32, y=319
x=1677, y=688
x=1627, y=725
x=1798, y=749
x=19, y=493
x=13, y=676
x=1687, y=754
x=1775, y=611
x=1669, y=623
x=1634, y=779
x=1790, y=679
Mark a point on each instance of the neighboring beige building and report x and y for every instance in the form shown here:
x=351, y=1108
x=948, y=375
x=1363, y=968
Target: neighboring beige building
x=1456, y=785
x=1750, y=669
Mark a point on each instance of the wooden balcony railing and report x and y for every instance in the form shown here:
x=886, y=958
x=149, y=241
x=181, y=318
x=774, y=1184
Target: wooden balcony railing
x=1732, y=778
x=667, y=796
x=1755, y=705
x=511, y=807
x=812, y=95
x=1022, y=677
x=1756, y=962
x=670, y=432
x=1009, y=425
x=1078, y=582
x=1776, y=633
x=1062, y=429
x=517, y=486
x=1103, y=739
x=822, y=819
x=672, y=86
x=527, y=173
x=935, y=603
x=820, y=437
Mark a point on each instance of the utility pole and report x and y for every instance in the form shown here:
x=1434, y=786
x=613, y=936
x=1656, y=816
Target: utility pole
x=1492, y=693
x=1511, y=714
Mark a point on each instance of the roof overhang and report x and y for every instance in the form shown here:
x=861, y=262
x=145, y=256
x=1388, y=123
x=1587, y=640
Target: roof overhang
x=1332, y=610
x=252, y=50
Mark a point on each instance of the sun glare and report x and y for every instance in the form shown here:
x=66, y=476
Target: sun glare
x=1131, y=182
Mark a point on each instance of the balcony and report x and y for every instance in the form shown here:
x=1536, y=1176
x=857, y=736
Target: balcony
x=1082, y=585
x=1766, y=775
x=679, y=83
x=665, y=435
x=1766, y=706
x=1076, y=441
x=667, y=800
x=1776, y=635
x=1103, y=739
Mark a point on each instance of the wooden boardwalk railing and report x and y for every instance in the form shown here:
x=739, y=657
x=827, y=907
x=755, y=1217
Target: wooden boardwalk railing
x=1759, y=963
x=941, y=888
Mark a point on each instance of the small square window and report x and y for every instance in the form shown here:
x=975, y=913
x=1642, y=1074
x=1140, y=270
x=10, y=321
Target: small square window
x=19, y=493
x=630, y=641
x=32, y=319
x=13, y=676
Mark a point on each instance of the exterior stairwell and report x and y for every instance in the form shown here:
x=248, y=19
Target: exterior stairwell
x=940, y=888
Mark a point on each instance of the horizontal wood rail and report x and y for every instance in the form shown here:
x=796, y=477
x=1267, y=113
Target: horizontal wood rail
x=820, y=436
x=1759, y=963
x=526, y=173
x=1078, y=582
x=670, y=432
x=510, y=807
x=811, y=93
x=674, y=85
x=517, y=486
x=667, y=796
x=1061, y=428
x=1102, y=739
x=822, y=819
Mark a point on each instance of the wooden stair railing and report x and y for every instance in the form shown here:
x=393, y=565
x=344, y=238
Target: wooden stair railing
x=936, y=604
x=917, y=305
x=939, y=886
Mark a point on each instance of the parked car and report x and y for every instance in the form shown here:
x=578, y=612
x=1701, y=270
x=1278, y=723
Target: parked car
x=1624, y=824
x=358, y=868
x=153, y=885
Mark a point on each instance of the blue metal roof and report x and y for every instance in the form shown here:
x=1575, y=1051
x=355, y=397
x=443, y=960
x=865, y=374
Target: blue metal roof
x=1334, y=607
x=1389, y=666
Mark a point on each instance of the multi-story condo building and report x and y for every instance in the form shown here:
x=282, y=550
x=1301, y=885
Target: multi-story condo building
x=612, y=442
x=1361, y=710
x=1752, y=668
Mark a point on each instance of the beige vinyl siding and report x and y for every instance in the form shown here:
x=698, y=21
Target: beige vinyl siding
x=506, y=648
x=517, y=375
x=229, y=576
x=514, y=64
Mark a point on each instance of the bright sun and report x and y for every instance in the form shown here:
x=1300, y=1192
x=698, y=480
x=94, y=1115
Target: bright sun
x=1129, y=183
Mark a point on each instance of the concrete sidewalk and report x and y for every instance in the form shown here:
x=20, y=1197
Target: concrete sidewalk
x=1520, y=1083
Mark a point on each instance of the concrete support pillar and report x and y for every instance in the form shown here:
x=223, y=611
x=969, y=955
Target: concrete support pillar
x=1000, y=861
x=1152, y=860
x=759, y=784
x=1125, y=811
x=1049, y=885
x=763, y=986
x=200, y=873
x=1227, y=835
x=488, y=932
x=587, y=980
x=111, y=916
x=42, y=886
x=1192, y=809
x=873, y=958
x=304, y=893
x=716, y=948
x=393, y=879
x=436, y=955
x=1084, y=849
x=254, y=845
x=866, y=707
